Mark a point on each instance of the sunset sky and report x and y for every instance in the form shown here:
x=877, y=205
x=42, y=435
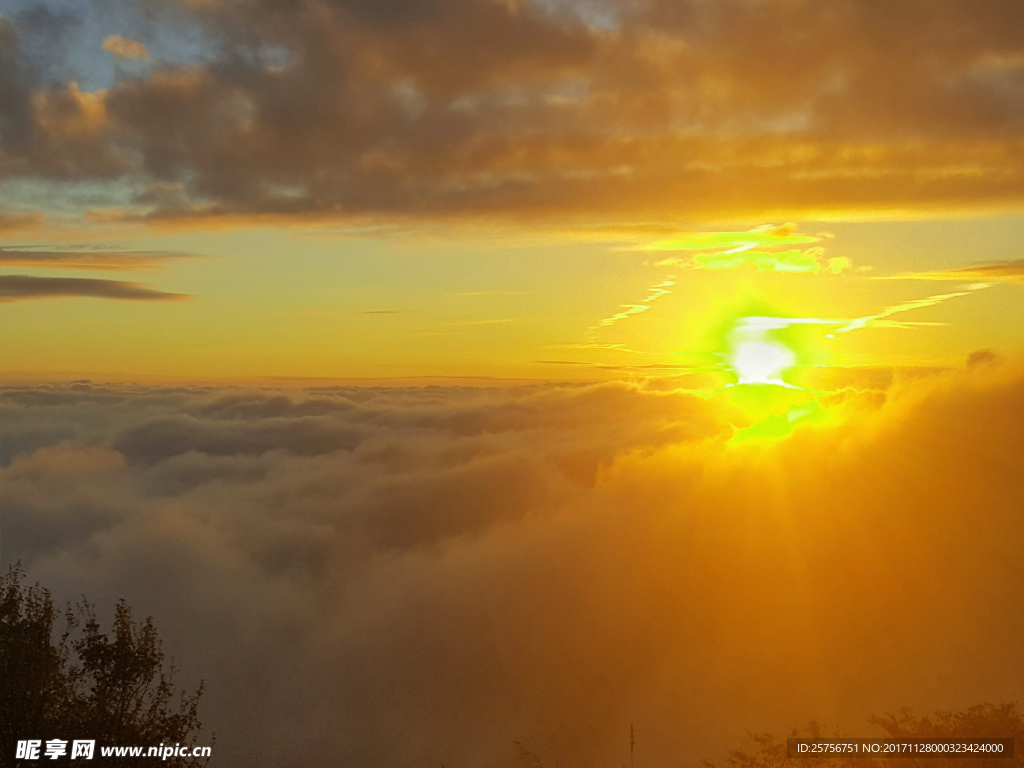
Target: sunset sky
x=448, y=374
x=240, y=189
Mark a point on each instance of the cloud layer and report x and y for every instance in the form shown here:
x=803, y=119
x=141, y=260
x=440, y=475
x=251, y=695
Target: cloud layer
x=382, y=576
x=23, y=287
x=669, y=109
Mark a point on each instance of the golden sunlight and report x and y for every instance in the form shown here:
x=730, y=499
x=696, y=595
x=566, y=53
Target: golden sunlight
x=761, y=362
x=757, y=354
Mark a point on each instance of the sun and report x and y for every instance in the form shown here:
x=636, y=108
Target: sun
x=762, y=362
x=761, y=349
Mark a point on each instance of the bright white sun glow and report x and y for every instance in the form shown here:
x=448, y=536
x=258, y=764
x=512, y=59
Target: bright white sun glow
x=762, y=362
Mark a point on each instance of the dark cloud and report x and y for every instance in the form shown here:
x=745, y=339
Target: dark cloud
x=663, y=110
x=983, y=357
x=48, y=126
x=15, y=94
x=38, y=256
x=45, y=33
x=22, y=287
x=392, y=576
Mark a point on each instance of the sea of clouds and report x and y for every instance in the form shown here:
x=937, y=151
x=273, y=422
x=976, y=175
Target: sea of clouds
x=428, y=575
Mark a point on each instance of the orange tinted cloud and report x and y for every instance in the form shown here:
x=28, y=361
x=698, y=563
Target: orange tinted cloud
x=14, y=222
x=662, y=111
x=125, y=48
x=1008, y=271
x=428, y=574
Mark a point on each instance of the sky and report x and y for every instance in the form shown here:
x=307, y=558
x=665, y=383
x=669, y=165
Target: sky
x=447, y=375
x=250, y=190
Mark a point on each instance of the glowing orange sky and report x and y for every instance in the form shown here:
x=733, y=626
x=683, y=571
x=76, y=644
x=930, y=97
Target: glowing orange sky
x=233, y=191
x=699, y=332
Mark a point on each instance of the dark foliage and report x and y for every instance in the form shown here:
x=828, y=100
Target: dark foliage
x=86, y=684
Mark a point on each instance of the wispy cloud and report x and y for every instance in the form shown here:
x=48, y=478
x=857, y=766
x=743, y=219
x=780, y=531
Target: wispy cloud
x=593, y=345
x=627, y=311
x=879, y=319
x=735, y=241
x=82, y=258
x=767, y=324
x=491, y=293
x=1004, y=271
x=767, y=248
x=24, y=287
x=493, y=321
x=654, y=293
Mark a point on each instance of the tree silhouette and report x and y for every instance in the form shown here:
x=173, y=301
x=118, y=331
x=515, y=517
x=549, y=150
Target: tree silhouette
x=84, y=683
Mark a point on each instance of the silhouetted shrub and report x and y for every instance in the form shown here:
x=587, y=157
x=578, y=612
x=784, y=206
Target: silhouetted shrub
x=84, y=683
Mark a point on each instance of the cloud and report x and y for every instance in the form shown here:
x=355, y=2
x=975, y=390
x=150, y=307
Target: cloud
x=13, y=222
x=1008, y=271
x=534, y=112
x=125, y=48
x=85, y=259
x=906, y=306
x=763, y=248
x=401, y=575
x=590, y=345
x=22, y=287
x=654, y=293
x=756, y=327
x=740, y=242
